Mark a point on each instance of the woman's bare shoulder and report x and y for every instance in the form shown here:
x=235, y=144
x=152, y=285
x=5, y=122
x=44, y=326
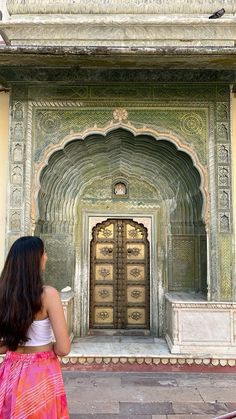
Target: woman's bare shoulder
x=49, y=294
x=48, y=290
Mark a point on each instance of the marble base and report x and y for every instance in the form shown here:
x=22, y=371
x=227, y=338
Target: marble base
x=195, y=326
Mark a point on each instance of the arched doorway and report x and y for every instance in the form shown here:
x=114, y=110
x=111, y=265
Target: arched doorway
x=119, y=276
x=162, y=185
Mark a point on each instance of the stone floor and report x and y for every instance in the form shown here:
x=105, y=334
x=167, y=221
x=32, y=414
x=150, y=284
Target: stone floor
x=117, y=346
x=130, y=353
x=162, y=395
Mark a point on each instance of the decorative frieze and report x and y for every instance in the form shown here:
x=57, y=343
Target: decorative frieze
x=224, y=222
x=17, y=152
x=15, y=221
x=18, y=131
x=17, y=161
x=222, y=111
x=223, y=176
x=224, y=199
x=16, y=197
x=155, y=363
x=18, y=111
x=223, y=167
x=17, y=175
x=223, y=131
x=223, y=153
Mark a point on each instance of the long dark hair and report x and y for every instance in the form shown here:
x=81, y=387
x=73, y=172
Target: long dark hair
x=21, y=288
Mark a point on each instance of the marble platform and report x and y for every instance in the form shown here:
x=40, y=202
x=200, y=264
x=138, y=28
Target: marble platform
x=119, y=346
x=131, y=353
x=200, y=327
x=138, y=353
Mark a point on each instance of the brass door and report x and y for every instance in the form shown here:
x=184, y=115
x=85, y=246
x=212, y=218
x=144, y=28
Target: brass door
x=119, y=286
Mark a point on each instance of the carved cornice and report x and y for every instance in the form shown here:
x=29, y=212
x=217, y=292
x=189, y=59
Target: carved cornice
x=162, y=7
x=203, y=305
x=114, y=23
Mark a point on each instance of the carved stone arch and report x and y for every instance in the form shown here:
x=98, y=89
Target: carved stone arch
x=75, y=178
x=157, y=134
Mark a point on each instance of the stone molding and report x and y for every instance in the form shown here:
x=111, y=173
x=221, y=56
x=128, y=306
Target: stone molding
x=115, y=6
x=161, y=361
x=157, y=361
x=119, y=32
x=114, y=23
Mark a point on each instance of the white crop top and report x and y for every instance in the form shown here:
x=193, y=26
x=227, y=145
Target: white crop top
x=39, y=333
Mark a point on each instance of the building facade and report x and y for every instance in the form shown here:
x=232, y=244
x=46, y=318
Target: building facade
x=121, y=149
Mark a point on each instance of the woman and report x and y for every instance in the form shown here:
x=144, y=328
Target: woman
x=31, y=383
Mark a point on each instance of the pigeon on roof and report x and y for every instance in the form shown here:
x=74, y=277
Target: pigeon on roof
x=217, y=14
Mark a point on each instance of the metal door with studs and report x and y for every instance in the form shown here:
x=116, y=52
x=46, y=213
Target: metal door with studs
x=119, y=276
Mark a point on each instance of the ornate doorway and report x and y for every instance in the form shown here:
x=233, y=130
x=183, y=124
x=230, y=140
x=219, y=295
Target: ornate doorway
x=119, y=276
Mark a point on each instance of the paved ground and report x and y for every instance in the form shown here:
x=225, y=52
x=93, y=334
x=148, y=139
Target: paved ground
x=162, y=395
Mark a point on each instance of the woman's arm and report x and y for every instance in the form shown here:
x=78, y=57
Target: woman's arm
x=53, y=305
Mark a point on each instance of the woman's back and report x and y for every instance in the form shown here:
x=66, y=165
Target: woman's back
x=33, y=332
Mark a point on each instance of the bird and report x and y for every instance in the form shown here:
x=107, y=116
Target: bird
x=217, y=14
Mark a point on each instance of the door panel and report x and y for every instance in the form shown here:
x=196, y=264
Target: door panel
x=119, y=285
x=103, y=272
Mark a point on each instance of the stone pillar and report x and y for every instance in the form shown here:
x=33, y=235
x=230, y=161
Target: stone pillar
x=4, y=112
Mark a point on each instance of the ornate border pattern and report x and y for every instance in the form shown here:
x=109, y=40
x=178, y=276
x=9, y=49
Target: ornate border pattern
x=17, y=157
x=223, y=167
x=180, y=360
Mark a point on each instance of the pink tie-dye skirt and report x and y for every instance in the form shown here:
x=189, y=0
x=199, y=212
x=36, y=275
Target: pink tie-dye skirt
x=31, y=387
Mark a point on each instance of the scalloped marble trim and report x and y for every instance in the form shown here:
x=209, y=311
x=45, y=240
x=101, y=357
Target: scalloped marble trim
x=74, y=360
x=148, y=361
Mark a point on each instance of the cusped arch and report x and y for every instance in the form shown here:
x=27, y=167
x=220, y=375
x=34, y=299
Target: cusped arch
x=162, y=178
x=58, y=151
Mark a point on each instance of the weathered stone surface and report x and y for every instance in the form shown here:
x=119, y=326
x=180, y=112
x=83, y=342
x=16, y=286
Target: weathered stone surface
x=120, y=32
x=114, y=23
x=55, y=63
x=116, y=6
